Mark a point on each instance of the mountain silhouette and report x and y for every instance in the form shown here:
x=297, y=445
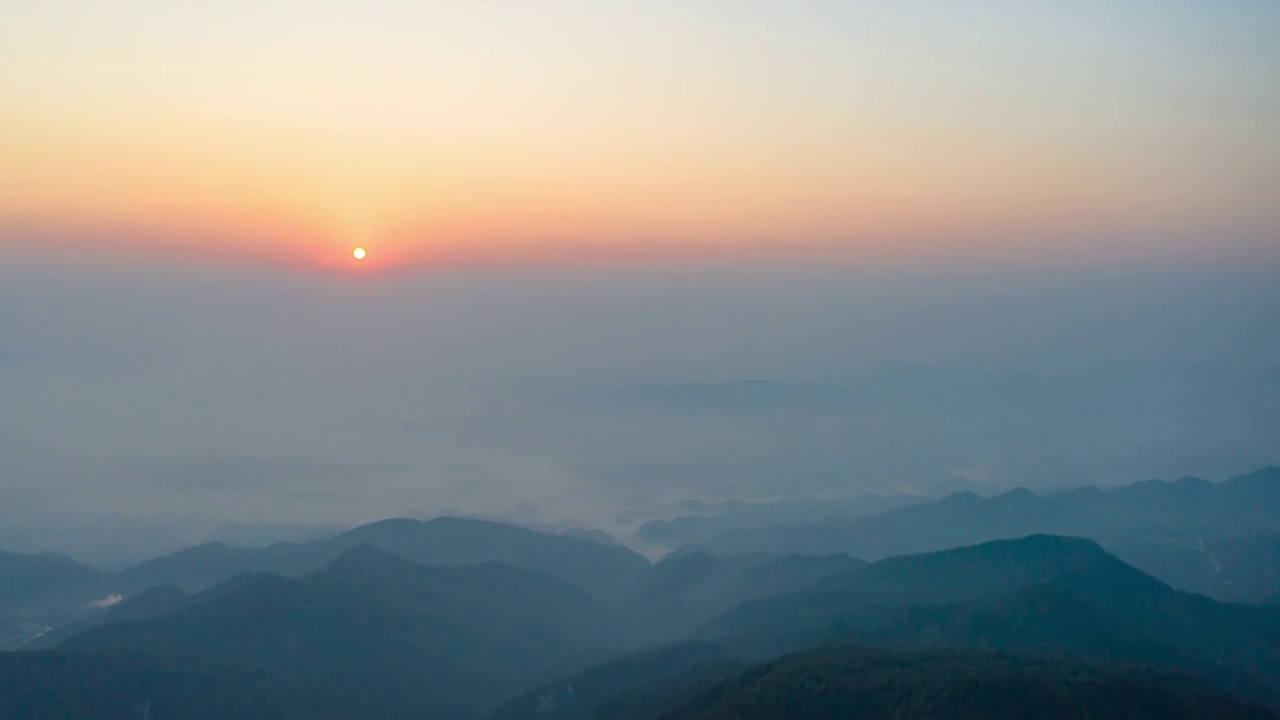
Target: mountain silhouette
x=1038, y=593
x=38, y=581
x=1129, y=520
x=592, y=565
x=377, y=634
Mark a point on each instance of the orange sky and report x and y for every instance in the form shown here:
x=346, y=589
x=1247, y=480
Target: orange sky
x=455, y=132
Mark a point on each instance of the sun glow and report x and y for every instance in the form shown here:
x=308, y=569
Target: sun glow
x=358, y=253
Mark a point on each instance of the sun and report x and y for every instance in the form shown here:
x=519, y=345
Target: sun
x=358, y=253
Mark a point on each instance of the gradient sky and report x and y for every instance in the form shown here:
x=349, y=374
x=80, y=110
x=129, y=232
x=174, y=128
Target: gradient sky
x=287, y=131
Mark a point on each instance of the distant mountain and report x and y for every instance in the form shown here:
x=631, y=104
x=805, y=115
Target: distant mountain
x=376, y=635
x=595, y=566
x=34, y=581
x=539, y=611
x=591, y=565
x=373, y=634
x=1064, y=599
x=1037, y=593
x=1148, y=512
x=149, y=603
x=997, y=567
x=872, y=594
x=875, y=684
x=1238, y=569
x=202, y=566
x=681, y=592
x=711, y=519
x=39, y=591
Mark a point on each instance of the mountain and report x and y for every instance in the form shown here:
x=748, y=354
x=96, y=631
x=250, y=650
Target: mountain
x=36, y=581
x=115, y=686
x=870, y=595
x=874, y=684
x=583, y=695
x=1064, y=599
x=540, y=611
x=708, y=520
x=1180, y=512
x=375, y=635
x=996, y=567
x=199, y=567
x=1038, y=593
x=1236, y=569
x=1037, y=617
x=148, y=603
x=1053, y=621
x=591, y=565
x=40, y=591
x=681, y=592
x=595, y=566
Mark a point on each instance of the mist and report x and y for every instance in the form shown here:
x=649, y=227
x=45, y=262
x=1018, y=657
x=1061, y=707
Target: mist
x=150, y=406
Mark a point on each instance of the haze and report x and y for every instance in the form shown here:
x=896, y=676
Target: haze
x=621, y=257
x=602, y=398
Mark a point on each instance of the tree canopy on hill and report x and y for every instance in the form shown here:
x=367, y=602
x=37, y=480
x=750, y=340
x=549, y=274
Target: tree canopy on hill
x=116, y=685
x=875, y=684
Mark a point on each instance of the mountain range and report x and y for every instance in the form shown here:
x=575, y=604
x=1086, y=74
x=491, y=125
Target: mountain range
x=374, y=635
x=1044, y=597
x=1159, y=526
x=461, y=619
x=593, y=565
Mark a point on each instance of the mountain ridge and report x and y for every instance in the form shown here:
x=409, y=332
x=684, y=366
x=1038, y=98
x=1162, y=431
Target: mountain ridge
x=440, y=541
x=1181, y=513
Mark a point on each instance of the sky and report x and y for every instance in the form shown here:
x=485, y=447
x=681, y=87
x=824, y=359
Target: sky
x=285, y=132
x=621, y=256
